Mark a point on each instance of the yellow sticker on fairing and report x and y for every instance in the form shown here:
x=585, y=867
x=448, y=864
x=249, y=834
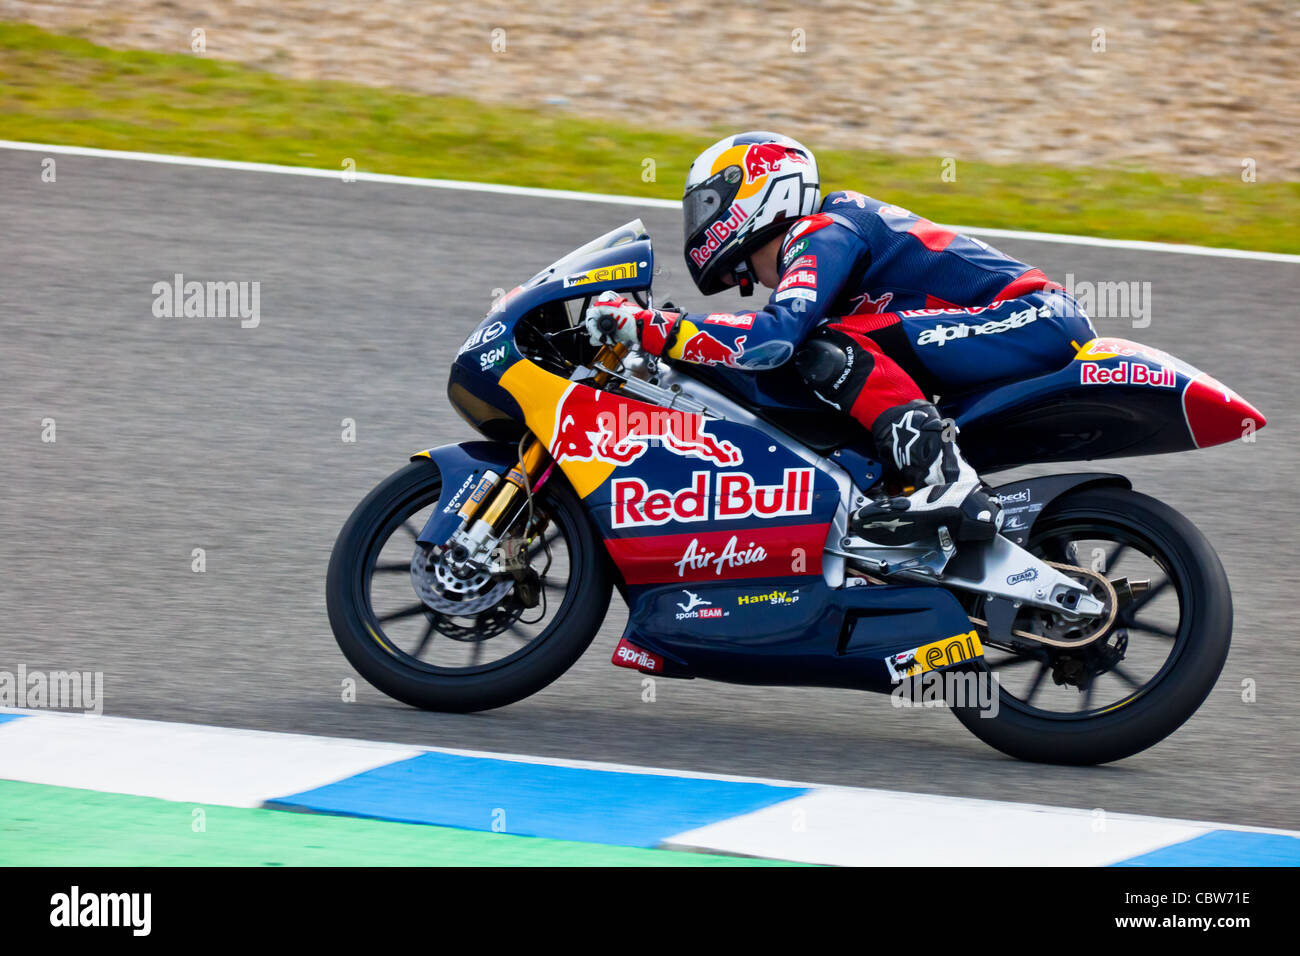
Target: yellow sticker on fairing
x=541, y=395
x=615, y=273
x=958, y=649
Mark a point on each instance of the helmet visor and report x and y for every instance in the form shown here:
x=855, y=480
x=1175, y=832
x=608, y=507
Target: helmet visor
x=710, y=200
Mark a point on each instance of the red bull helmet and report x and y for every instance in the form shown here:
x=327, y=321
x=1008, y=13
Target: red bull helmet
x=742, y=192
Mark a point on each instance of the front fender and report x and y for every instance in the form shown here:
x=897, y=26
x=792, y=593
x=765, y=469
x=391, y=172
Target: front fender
x=461, y=465
x=1023, y=501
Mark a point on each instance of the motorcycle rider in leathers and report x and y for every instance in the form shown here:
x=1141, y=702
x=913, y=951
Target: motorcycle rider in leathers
x=877, y=308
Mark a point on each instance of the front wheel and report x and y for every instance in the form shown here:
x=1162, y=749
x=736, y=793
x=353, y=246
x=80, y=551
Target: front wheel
x=441, y=640
x=1151, y=670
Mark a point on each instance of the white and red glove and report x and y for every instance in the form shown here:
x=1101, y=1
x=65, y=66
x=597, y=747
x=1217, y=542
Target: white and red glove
x=613, y=318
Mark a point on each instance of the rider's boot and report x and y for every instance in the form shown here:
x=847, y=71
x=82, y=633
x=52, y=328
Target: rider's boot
x=948, y=492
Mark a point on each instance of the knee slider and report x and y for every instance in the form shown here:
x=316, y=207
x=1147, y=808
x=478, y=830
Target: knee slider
x=833, y=364
x=820, y=362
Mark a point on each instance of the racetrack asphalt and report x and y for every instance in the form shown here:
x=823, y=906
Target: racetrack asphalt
x=175, y=434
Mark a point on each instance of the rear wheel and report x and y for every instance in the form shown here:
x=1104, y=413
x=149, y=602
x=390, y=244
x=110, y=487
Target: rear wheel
x=434, y=638
x=1142, y=679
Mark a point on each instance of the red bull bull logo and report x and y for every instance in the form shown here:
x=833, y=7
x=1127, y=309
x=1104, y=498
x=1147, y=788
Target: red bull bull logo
x=703, y=349
x=622, y=434
x=763, y=158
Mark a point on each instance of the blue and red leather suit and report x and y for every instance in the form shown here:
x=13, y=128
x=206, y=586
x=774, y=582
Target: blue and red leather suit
x=930, y=311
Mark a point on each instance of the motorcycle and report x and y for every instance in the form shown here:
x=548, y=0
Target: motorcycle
x=717, y=503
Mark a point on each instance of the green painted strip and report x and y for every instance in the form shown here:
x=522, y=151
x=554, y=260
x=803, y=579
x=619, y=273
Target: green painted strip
x=57, y=826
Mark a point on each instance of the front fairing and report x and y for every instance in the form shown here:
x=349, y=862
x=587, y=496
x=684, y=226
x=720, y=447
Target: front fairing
x=622, y=260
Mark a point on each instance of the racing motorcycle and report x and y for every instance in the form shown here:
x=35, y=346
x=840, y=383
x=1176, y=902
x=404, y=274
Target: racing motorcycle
x=717, y=503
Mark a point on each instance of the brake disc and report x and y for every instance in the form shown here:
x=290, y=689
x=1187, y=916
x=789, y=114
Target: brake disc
x=454, y=591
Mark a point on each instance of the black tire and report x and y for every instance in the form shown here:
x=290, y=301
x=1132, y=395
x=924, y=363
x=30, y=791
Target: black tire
x=524, y=673
x=1197, y=656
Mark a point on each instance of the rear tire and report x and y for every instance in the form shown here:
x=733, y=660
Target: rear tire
x=1199, y=651
x=543, y=660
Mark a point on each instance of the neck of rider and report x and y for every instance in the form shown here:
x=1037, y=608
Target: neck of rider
x=763, y=263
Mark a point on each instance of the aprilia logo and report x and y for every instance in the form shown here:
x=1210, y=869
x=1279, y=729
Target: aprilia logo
x=629, y=655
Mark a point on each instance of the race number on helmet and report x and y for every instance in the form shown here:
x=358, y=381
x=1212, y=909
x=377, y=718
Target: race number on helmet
x=742, y=192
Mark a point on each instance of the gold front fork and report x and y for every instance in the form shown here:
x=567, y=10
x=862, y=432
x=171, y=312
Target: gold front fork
x=498, y=504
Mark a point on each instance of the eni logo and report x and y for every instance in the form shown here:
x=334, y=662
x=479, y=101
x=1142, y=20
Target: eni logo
x=624, y=270
x=1029, y=574
x=949, y=652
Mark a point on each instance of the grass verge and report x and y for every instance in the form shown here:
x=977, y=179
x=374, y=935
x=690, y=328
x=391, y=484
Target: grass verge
x=62, y=89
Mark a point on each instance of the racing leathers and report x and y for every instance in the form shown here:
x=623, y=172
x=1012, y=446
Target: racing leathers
x=880, y=309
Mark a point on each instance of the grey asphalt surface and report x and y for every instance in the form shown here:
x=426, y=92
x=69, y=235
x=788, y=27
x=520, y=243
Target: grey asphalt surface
x=180, y=433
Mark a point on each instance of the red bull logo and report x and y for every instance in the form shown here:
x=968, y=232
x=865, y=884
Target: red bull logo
x=621, y=435
x=718, y=233
x=635, y=504
x=763, y=158
x=703, y=349
x=1131, y=373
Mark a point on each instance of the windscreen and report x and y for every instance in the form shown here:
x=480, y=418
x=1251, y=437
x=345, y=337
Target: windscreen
x=628, y=232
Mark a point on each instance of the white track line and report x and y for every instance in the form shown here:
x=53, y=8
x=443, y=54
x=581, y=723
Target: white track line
x=183, y=762
x=608, y=198
x=848, y=827
x=242, y=767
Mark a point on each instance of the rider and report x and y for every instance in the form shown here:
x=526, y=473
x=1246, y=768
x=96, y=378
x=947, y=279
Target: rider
x=878, y=308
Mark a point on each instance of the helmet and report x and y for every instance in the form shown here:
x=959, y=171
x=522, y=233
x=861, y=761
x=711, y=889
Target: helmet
x=742, y=192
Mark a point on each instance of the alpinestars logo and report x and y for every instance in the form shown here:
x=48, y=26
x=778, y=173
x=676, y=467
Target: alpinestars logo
x=893, y=524
x=947, y=333
x=905, y=435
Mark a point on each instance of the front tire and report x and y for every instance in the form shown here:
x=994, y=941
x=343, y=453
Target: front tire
x=1198, y=643
x=380, y=659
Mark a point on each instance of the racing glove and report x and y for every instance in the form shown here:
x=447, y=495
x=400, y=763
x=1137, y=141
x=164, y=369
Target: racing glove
x=613, y=318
